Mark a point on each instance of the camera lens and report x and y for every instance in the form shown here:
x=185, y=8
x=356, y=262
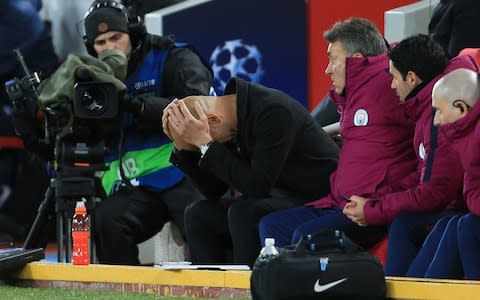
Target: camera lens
x=94, y=100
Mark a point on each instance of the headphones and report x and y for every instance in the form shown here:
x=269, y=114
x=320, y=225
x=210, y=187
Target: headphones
x=136, y=26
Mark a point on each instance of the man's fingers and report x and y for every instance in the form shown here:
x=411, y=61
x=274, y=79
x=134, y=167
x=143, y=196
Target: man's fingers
x=347, y=212
x=176, y=111
x=175, y=122
x=357, y=220
x=168, y=110
x=200, y=111
x=185, y=112
x=352, y=218
x=166, y=130
x=165, y=117
x=180, y=116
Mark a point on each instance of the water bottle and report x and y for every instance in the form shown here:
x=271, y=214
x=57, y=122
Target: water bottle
x=268, y=253
x=80, y=235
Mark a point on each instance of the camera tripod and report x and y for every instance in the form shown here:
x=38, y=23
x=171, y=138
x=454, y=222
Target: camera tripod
x=71, y=184
x=79, y=126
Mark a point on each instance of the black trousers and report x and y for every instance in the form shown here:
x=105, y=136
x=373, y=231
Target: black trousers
x=133, y=215
x=217, y=230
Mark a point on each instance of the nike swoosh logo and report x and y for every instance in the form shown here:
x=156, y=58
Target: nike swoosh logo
x=320, y=288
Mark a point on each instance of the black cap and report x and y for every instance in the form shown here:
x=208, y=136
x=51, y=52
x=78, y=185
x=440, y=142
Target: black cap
x=103, y=19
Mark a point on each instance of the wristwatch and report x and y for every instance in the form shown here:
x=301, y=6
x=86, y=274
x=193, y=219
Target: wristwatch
x=204, y=147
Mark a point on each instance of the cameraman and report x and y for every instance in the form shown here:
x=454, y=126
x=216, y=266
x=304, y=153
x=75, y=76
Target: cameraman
x=147, y=191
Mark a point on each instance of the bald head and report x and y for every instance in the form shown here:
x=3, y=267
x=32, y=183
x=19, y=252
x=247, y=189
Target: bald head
x=460, y=84
x=190, y=103
x=221, y=115
x=454, y=94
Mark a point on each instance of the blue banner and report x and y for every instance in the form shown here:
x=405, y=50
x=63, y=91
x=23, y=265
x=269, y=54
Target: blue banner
x=263, y=41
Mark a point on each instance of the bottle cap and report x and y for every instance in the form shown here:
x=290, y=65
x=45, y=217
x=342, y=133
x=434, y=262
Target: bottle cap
x=269, y=242
x=80, y=207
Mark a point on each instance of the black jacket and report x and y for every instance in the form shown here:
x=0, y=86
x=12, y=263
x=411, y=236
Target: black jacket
x=454, y=25
x=278, y=145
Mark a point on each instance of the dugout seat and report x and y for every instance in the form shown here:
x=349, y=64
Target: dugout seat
x=166, y=245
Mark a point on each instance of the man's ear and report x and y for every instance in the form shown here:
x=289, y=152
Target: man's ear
x=214, y=120
x=357, y=54
x=413, y=79
x=462, y=107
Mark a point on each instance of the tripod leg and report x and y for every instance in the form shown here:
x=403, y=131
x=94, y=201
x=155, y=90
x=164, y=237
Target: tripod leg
x=64, y=212
x=68, y=237
x=60, y=238
x=38, y=235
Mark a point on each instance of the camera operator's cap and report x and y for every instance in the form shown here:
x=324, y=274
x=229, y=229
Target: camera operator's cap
x=103, y=19
x=117, y=60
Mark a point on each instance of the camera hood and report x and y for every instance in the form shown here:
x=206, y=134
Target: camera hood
x=60, y=85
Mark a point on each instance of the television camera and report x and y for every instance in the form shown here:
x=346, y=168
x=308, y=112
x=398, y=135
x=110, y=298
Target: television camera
x=74, y=130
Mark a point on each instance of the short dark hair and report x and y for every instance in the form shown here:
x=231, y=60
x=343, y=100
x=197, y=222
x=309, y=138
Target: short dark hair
x=357, y=35
x=421, y=54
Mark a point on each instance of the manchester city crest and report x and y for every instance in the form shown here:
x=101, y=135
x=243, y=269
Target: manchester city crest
x=360, y=118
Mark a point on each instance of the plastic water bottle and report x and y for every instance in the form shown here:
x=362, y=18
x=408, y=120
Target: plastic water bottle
x=80, y=235
x=268, y=253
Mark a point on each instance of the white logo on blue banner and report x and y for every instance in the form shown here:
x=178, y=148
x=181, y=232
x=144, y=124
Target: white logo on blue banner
x=235, y=59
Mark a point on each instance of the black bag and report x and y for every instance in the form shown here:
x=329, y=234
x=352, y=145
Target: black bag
x=326, y=265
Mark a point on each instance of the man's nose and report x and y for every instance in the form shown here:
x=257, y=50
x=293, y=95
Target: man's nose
x=328, y=70
x=110, y=45
x=436, y=121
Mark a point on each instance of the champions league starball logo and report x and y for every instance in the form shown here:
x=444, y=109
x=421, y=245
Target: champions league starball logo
x=235, y=59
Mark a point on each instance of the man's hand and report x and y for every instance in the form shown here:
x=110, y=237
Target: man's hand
x=178, y=143
x=131, y=104
x=354, y=210
x=166, y=114
x=192, y=131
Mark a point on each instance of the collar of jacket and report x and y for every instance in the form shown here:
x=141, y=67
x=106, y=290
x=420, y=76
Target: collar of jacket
x=137, y=56
x=416, y=90
x=360, y=70
x=418, y=100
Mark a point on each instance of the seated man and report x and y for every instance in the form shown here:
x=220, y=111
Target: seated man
x=416, y=63
x=377, y=137
x=451, y=249
x=257, y=141
x=144, y=191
